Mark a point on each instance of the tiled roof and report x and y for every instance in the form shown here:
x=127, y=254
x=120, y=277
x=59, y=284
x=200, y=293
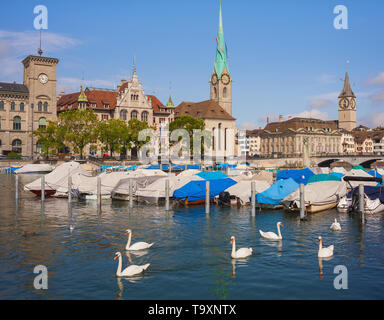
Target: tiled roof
x=99, y=96
x=208, y=109
x=300, y=123
x=13, y=87
x=254, y=133
x=156, y=105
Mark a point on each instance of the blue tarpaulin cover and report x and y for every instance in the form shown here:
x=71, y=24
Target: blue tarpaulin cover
x=277, y=192
x=372, y=173
x=337, y=174
x=372, y=192
x=212, y=175
x=300, y=176
x=195, y=190
x=323, y=177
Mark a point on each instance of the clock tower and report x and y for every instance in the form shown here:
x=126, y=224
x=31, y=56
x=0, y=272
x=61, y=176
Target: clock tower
x=347, y=107
x=221, y=82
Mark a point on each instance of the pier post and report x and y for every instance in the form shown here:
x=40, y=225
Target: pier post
x=130, y=194
x=17, y=187
x=99, y=193
x=253, y=197
x=167, y=195
x=302, y=202
x=170, y=167
x=375, y=172
x=207, y=192
x=69, y=190
x=361, y=202
x=42, y=189
x=161, y=166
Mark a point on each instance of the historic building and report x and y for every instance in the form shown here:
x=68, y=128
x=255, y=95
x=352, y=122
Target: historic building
x=28, y=106
x=216, y=112
x=253, y=142
x=288, y=138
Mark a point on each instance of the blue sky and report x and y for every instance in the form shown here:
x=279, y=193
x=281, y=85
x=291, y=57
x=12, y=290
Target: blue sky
x=285, y=57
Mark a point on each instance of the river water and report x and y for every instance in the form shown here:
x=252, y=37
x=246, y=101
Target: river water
x=190, y=258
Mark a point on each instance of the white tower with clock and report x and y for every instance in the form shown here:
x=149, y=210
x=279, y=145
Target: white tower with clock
x=221, y=82
x=347, y=107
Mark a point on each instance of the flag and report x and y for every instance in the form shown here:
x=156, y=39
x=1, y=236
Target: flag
x=341, y=79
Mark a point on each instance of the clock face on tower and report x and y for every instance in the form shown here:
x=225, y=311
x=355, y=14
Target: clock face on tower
x=344, y=103
x=43, y=78
x=214, y=79
x=225, y=78
x=353, y=104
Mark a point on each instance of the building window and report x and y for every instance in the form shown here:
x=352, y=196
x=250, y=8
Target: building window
x=144, y=116
x=134, y=114
x=224, y=92
x=42, y=123
x=123, y=115
x=21, y=106
x=12, y=106
x=16, y=123
x=215, y=92
x=1, y=105
x=16, y=146
x=45, y=106
x=39, y=147
x=104, y=117
x=40, y=106
x=213, y=139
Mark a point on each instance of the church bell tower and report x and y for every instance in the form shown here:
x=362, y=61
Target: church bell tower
x=221, y=82
x=347, y=106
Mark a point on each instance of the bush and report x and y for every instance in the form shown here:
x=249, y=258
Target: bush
x=13, y=155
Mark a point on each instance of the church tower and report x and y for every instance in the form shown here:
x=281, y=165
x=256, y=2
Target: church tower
x=347, y=106
x=221, y=82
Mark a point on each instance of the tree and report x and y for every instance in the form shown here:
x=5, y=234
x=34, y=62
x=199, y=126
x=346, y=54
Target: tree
x=131, y=140
x=190, y=124
x=51, y=137
x=80, y=128
x=112, y=133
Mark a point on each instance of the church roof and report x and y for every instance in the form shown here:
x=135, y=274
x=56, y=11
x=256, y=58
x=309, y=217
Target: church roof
x=221, y=50
x=301, y=123
x=347, y=90
x=208, y=109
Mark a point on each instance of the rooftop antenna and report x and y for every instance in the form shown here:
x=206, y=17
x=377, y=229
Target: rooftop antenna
x=40, y=52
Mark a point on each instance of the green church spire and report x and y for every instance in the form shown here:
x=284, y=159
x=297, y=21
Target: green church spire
x=221, y=55
x=170, y=102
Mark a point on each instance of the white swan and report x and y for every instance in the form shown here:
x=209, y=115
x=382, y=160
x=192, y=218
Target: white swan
x=137, y=245
x=240, y=253
x=324, y=252
x=129, y=271
x=272, y=235
x=335, y=226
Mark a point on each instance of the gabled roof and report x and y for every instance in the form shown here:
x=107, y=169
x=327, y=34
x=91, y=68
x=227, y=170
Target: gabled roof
x=98, y=96
x=13, y=87
x=156, y=105
x=208, y=109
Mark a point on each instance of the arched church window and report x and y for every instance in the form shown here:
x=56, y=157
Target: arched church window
x=45, y=106
x=215, y=92
x=123, y=115
x=16, y=123
x=16, y=146
x=42, y=123
x=40, y=106
x=224, y=92
x=144, y=116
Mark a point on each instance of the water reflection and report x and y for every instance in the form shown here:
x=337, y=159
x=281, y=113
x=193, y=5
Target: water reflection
x=320, y=260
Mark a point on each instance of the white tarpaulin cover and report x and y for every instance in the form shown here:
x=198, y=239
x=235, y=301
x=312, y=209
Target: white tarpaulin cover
x=58, y=178
x=242, y=189
x=359, y=173
x=318, y=193
x=28, y=168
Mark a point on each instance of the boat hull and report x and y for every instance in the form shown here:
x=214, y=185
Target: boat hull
x=46, y=192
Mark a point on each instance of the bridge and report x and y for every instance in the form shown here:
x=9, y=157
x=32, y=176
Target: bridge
x=318, y=160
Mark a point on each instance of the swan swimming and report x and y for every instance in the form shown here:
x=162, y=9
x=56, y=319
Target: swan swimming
x=324, y=252
x=271, y=235
x=335, y=226
x=130, y=270
x=137, y=245
x=240, y=253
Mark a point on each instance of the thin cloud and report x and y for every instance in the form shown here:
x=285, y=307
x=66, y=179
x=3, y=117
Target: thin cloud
x=376, y=81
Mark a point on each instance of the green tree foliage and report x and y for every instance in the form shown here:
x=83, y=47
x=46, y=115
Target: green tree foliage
x=80, y=127
x=51, y=137
x=113, y=133
x=132, y=138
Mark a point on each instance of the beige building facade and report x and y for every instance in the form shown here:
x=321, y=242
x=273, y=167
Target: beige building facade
x=28, y=106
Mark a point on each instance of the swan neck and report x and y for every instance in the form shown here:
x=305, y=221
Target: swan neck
x=129, y=240
x=118, y=272
x=233, y=246
x=320, y=245
x=278, y=230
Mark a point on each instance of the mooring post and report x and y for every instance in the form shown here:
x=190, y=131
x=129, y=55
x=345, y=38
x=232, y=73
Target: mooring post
x=253, y=197
x=42, y=189
x=17, y=187
x=99, y=193
x=167, y=195
x=302, y=202
x=170, y=167
x=69, y=189
x=361, y=202
x=130, y=194
x=161, y=166
x=207, y=192
x=375, y=172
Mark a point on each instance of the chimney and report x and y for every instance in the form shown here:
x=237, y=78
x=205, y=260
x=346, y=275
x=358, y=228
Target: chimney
x=280, y=118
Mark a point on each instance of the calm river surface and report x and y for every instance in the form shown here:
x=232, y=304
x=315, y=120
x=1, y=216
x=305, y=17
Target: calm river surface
x=191, y=255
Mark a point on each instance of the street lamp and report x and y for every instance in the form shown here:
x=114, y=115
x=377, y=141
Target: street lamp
x=32, y=132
